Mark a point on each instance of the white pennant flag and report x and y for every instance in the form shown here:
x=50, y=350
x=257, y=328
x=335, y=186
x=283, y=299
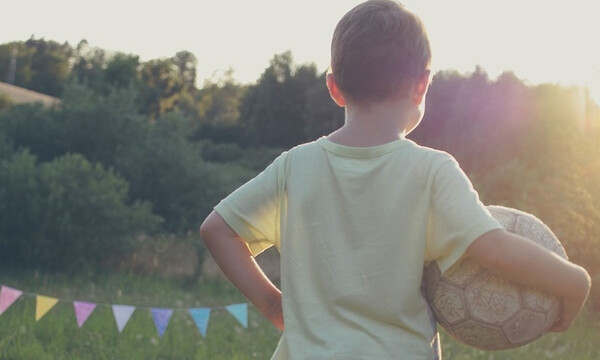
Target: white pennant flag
x=122, y=315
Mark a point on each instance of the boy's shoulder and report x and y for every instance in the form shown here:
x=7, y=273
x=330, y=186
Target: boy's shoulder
x=406, y=148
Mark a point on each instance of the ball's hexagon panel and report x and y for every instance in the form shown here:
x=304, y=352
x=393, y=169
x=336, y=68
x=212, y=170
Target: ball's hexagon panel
x=526, y=326
x=492, y=300
x=539, y=300
x=464, y=274
x=482, y=336
x=449, y=304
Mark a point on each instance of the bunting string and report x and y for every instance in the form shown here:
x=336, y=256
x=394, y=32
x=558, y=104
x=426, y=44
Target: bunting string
x=122, y=313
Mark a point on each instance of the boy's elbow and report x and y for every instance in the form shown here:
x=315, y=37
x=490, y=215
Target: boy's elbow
x=204, y=229
x=214, y=228
x=485, y=251
x=582, y=283
x=208, y=227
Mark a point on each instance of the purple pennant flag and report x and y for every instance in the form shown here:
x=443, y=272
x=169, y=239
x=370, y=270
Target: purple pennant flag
x=201, y=317
x=7, y=297
x=122, y=315
x=161, y=319
x=82, y=311
x=240, y=312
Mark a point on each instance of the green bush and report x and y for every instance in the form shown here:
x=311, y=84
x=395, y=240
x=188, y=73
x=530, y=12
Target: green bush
x=259, y=158
x=6, y=148
x=155, y=157
x=5, y=102
x=33, y=127
x=220, y=152
x=88, y=123
x=65, y=213
x=163, y=167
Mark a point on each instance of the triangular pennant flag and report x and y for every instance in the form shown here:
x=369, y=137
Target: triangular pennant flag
x=161, y=319
x=201, y=317
x=240, y=312
x=122, y=315
x=7, y=297
x=82, y=311
x=43, y=305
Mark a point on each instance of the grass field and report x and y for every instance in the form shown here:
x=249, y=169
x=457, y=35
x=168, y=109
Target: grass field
x=56, y=335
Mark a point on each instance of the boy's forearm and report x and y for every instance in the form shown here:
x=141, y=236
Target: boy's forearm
x=237, y=263
x=525, y=262
x=528, y=263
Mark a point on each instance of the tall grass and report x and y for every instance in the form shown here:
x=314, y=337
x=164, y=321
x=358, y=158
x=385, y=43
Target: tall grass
x=580, y=342
x=56, y=335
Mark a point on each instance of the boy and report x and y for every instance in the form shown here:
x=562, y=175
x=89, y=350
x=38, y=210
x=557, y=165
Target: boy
x=356, y=214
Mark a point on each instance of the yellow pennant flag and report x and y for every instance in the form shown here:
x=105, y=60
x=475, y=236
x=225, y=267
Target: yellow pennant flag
x=43, y=305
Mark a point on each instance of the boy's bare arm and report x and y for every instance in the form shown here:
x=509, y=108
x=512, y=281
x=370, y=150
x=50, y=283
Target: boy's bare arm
x=235, y=260
x=520, y=260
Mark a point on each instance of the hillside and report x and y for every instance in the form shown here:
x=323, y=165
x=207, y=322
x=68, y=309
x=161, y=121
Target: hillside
x=20, y=95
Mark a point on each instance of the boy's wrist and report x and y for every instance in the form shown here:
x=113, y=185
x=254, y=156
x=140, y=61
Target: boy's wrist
x=579, y=285
x=271, y=308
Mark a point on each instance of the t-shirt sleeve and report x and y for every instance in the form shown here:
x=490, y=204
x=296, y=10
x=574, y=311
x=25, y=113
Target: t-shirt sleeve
x=457, y=215
x=253, y=211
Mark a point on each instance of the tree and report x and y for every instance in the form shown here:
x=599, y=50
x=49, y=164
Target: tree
x=33, y=127
x=122, y=71
x=274, y=110
x=39, y=65
x=64, y=214
x=89, y=123
x=161, y=86
x=88, y=65
x=166, y=169
x=5, y=102
x=49, y=65
x=322, y=115
x=467, y=112
x=186, y=63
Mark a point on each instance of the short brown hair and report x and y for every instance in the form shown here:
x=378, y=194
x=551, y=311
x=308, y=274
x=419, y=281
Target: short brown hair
x=378, y=49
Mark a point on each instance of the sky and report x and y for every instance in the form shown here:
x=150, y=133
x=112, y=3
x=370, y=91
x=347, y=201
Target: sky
x=539, y=40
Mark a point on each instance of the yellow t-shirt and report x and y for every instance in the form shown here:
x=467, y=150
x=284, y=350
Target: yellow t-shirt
x=354, y=227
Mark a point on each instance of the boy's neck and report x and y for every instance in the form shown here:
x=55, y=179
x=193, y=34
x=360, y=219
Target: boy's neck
x=375, y=124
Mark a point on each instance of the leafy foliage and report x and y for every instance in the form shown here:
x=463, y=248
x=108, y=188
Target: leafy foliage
x=42, y=65
x=155, y=158
x=276, y=109
x=182, y=148
x=166, y=169
x=64, y=213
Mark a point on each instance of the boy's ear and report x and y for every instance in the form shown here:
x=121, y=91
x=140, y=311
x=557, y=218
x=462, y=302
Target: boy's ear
x=421, y=88
x=334, y=91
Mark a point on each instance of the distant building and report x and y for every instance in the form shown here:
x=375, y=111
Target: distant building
x=19, y=95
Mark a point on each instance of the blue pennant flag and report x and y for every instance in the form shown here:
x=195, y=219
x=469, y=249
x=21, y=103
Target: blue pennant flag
x=201, y=317
x=161, y=319
x=240, y=312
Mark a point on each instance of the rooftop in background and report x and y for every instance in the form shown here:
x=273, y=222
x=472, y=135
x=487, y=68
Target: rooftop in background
x=20, y=95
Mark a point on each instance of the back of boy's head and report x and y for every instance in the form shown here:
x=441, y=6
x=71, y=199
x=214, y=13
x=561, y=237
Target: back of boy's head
x=378, y=50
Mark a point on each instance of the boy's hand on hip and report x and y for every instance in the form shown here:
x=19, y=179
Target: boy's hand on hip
x=273, y=311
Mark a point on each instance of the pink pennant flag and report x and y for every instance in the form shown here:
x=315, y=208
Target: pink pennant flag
x=7, y=297
x=82, y=311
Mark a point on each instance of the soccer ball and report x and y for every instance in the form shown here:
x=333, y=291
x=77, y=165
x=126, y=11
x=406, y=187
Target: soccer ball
x=485, y=311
